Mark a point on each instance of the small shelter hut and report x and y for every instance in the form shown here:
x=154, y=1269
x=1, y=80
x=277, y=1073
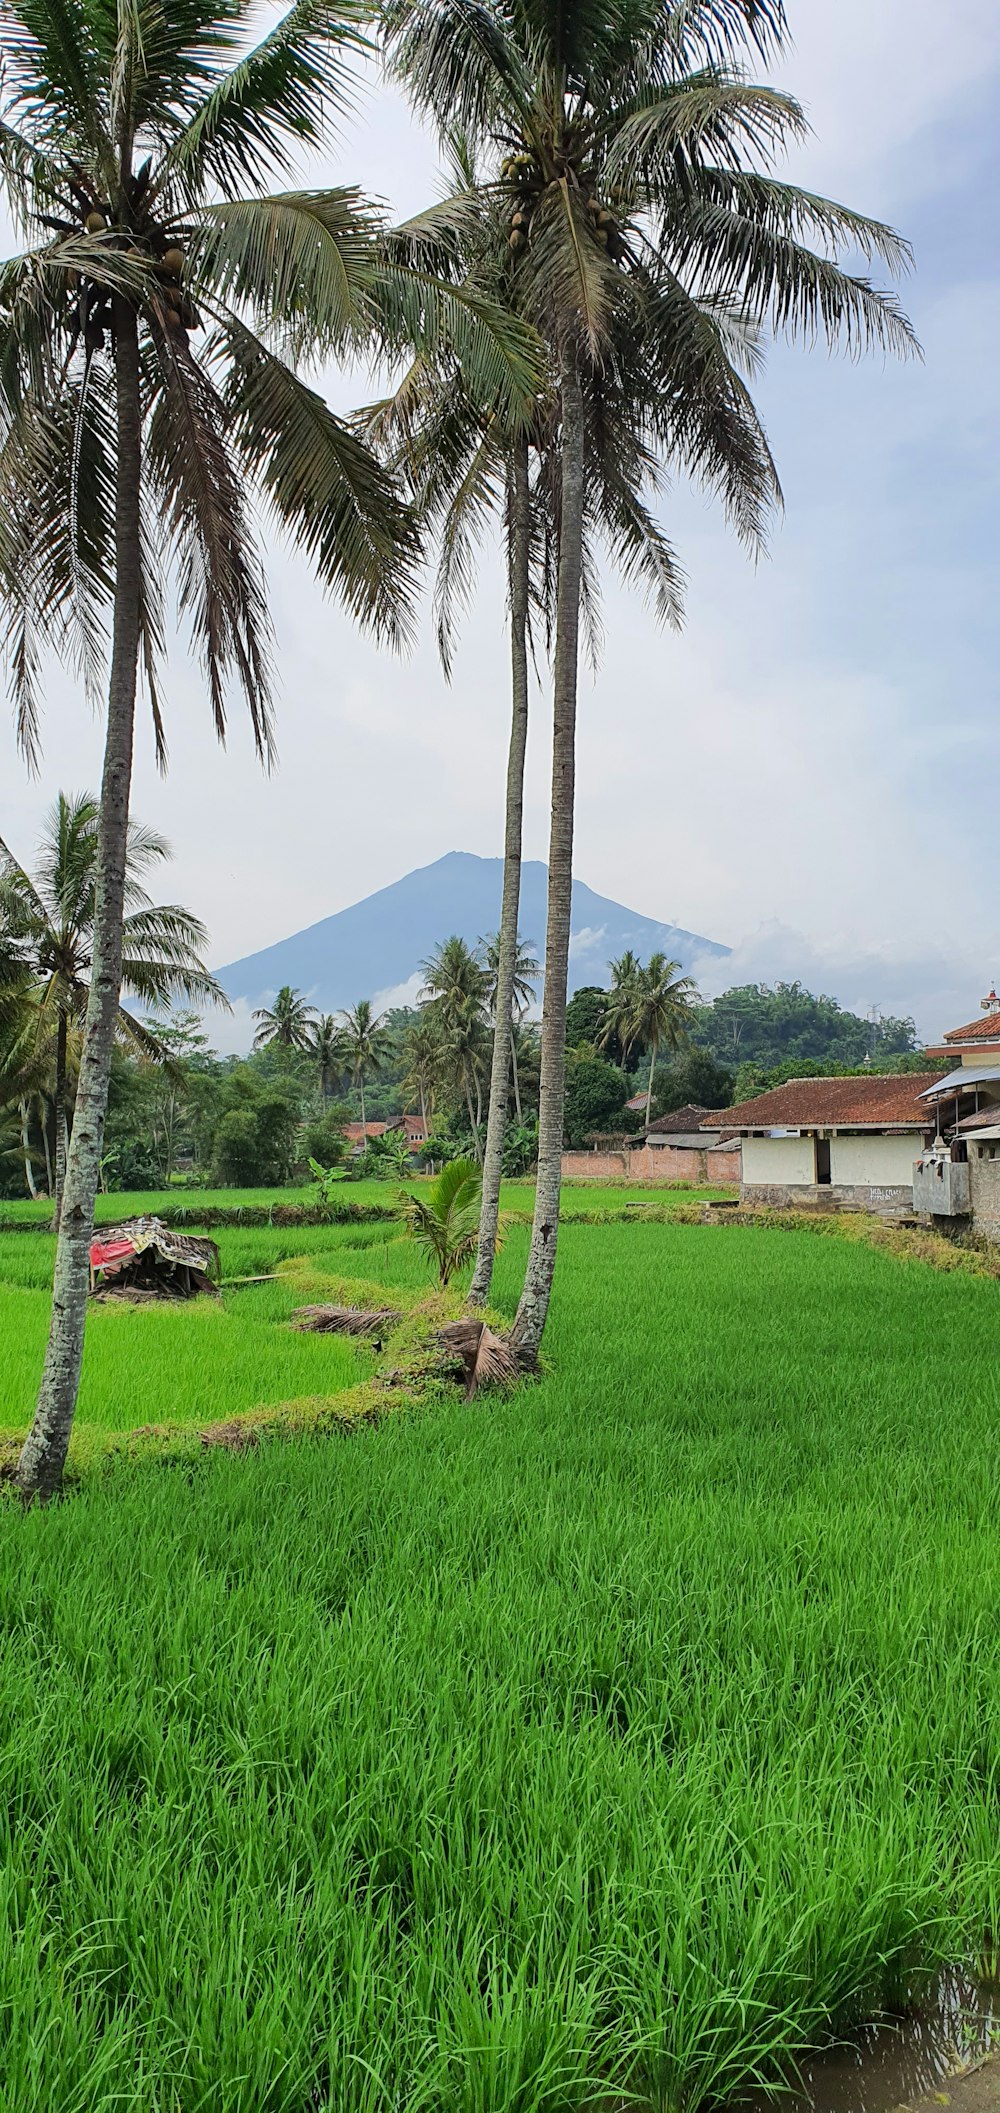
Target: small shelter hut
x=145, y=1259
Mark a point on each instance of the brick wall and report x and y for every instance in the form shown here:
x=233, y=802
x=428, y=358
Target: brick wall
x=655, y=1164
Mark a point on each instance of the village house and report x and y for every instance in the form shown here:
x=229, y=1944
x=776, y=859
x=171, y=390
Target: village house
x=834, y=1143
x=413, y=1126
x=958, y=1178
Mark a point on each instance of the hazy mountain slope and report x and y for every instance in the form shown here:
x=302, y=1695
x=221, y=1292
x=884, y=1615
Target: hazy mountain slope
x=376, y=946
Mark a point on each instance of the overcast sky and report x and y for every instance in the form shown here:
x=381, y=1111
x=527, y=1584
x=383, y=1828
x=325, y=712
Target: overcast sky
x=812, y=772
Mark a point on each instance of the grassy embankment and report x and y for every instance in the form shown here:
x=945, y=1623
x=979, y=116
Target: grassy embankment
x=637, y=1729
x=191, y=1204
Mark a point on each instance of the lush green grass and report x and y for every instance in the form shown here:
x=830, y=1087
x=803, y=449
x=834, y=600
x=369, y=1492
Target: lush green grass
x=636, y=1728
x=200, y=1362
x=515, y=1196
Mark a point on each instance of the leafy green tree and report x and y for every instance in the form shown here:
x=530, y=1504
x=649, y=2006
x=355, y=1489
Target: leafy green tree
x=366, y=1044
x=287, y=1024
x=586, y=1016
x=445, y=1222
x=635, y=159
x=693, y=1079
x=769, y=1024
x=149, y=396
x=324, y=1139
x=596, y=1093
x=255, y=1139
x=53, y=915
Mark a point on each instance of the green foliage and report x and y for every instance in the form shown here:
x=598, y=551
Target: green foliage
x=254, y=1137
x=520, y=1148
x=693, y=1078
x=596, y=1092
x=324, y=1139
x=586, y=1015
x=769, y=1026
x=445, y=1221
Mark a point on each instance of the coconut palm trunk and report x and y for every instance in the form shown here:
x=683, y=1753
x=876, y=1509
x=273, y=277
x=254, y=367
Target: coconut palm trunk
x=29, y=1172
x=59, y=1113
x=533, y=1309
x=471, y=1106
x=654, y=1053
x=44, y=1452
x=503, y=1052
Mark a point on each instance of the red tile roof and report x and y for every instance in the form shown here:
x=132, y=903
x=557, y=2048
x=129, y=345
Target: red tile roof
x=985, y=1029
x=824, y=1104
x=354, y=1132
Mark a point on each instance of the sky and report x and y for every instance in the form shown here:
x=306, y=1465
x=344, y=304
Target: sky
x=810, y=773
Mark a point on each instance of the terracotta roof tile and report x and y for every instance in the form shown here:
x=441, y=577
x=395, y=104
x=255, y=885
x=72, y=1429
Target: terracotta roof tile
x=870, y=1101
x=985, y=1029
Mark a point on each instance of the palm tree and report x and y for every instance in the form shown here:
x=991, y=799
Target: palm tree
x=525, y=970
x=618, y=1017
x=149, y=394
x=634, y=159
x=52, y=917
x=287, y=1023
x=455, y=988
x=328, y=1051
x=445, y=1223
x=423, y=1057
x=650, y=1008
x=366, y=1047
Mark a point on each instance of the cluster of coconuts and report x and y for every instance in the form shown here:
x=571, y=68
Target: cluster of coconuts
x=181, y=314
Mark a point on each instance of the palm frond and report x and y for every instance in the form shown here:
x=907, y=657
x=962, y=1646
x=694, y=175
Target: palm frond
x=221, y=588
x=325, y=486
x=277, y=98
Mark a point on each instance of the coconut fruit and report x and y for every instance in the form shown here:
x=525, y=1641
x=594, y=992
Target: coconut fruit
x=95, y=223
x=173, y=261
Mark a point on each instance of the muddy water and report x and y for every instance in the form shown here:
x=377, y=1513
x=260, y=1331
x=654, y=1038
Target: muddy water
x=897, y=2060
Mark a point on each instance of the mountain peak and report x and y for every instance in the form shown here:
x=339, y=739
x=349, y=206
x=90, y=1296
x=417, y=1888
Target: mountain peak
x=376, y=946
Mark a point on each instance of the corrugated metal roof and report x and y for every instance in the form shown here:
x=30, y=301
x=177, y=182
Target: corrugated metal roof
x=966, y=1075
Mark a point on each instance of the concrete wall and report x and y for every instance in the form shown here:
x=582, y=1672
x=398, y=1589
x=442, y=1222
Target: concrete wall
x=883, y=1162
x=984, y=1185
x=886, y=1202
x=787, y=1161
x=656, y=1165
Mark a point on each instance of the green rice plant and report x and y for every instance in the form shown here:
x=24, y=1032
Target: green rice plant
x=615, y=1744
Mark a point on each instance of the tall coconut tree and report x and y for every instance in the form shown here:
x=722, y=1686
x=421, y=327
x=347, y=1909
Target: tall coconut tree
x=366, y=1046
x=151, y=336
x=52, y=915
x=650, y=1008
x=525, y=970
x=636, y=164
x=287, y=1024
x=328, y=1050
x=423, y=1057
x=455, y=992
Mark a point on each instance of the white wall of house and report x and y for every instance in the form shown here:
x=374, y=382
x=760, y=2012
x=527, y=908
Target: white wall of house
x=880, y=1160
x=779, y=1160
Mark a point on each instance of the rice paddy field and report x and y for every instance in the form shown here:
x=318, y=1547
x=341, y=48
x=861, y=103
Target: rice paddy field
x=609, y=1743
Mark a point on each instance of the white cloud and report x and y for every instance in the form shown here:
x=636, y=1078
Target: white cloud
x=588, y=940
x=399, y=994
x=941, y=987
